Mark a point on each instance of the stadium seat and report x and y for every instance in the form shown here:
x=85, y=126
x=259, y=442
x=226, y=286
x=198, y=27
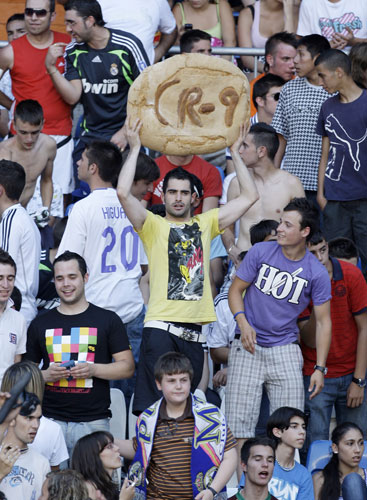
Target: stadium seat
x=320, y=453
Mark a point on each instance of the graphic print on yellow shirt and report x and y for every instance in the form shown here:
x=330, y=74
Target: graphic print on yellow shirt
x=186, y=269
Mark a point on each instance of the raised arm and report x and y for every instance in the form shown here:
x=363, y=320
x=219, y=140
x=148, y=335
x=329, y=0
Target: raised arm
x=70, y=91
x=134, y=210
x=235, y=208
x=323, y=339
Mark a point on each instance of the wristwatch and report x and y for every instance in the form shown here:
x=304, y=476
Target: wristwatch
x=322, y=369
x=215, y=493
x=361, y=382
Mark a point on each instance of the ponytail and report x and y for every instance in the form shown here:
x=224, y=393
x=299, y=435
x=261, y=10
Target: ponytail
x=331, y=487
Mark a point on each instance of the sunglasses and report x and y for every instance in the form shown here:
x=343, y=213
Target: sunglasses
x=275, y=96
x=27, y=402
x=39, y=12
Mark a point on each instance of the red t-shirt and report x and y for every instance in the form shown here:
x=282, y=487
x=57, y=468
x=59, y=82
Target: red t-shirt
x=31, y=81
x=349, y=298
x=206, y=172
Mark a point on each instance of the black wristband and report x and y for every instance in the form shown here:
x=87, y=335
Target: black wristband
x=215, y=493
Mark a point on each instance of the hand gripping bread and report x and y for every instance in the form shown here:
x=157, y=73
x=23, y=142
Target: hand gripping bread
x=190, y=104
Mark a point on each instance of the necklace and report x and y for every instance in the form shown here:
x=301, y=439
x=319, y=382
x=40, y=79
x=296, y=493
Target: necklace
x=287, y=469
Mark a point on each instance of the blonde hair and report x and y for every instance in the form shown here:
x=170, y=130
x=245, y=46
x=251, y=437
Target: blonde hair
x=36, y=385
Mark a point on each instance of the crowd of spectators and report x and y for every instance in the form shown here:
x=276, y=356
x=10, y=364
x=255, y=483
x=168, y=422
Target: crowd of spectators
x=224, y=295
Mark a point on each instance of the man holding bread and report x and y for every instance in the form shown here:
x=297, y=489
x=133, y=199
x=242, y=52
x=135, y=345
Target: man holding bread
x=177, y=247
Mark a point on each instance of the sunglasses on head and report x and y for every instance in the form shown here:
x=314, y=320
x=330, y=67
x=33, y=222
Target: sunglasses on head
x=28, y=11
x=27, y=402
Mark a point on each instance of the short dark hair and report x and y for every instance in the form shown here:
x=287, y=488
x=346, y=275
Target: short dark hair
x=273, y=41
x=172, y=363
x=180, y=174
x=12, y=178
x=108, y=158
x=281, y=419
x=29, y=111
x=86, y=8
x=16, y=297
x=343, y=248
x=315, y=44
x=58, y=231
x=264, y=228
x=146, y=167
x=316, y=238
x=67, y=256
x=333, y=59
x=15, y=17
x=190, y=37
x=264, y=84
x=358, y=58
x=255, y=441
x=309, y=214
x=7, y=259
x=265, y=135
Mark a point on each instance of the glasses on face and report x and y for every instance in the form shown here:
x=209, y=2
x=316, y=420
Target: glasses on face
x=275, y=96
x=28, y=11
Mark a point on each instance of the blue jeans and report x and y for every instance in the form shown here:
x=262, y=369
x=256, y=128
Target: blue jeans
x=320, y=407
x=134, y=330
x=75, y=430
x=354, y=487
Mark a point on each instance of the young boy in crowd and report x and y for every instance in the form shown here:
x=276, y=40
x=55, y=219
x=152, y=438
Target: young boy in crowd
x=343, y=249
x=183, y=448
x=345, y=382
x=290, y=481
x=296, y=115
x=257, y=462
x=342, y=179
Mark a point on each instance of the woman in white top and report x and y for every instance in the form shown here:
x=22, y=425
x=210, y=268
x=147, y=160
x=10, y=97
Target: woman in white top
x=261, y=20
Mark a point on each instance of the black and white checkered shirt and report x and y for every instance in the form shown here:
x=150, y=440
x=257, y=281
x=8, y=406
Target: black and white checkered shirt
x=296, y=118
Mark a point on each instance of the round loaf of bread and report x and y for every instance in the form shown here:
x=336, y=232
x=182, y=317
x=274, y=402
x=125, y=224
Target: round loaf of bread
x=190, y=104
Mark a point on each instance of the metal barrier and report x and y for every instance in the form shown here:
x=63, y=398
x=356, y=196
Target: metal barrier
x=221, y=51
x=230, y=51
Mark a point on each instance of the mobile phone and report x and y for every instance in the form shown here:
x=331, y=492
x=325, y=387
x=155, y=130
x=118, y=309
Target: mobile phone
x=15, y=392
x=68, y=364
x=187, y=26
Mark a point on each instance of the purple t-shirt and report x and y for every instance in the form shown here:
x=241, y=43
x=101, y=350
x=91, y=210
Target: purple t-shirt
x=346, y=126
x=280, y=290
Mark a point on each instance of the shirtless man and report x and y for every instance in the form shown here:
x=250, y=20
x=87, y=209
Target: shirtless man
x=276, y=187
x=31, y=149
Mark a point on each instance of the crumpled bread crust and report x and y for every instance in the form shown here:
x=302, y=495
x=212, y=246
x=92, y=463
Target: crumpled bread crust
x=190, y=104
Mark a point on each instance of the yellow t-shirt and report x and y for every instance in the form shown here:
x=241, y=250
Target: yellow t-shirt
x=179, y=259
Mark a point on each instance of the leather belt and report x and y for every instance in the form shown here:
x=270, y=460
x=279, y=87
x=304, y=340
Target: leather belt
x=179, y=331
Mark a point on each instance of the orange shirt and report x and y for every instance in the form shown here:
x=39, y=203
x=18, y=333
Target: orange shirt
x=253, y=109
x=31, y=81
